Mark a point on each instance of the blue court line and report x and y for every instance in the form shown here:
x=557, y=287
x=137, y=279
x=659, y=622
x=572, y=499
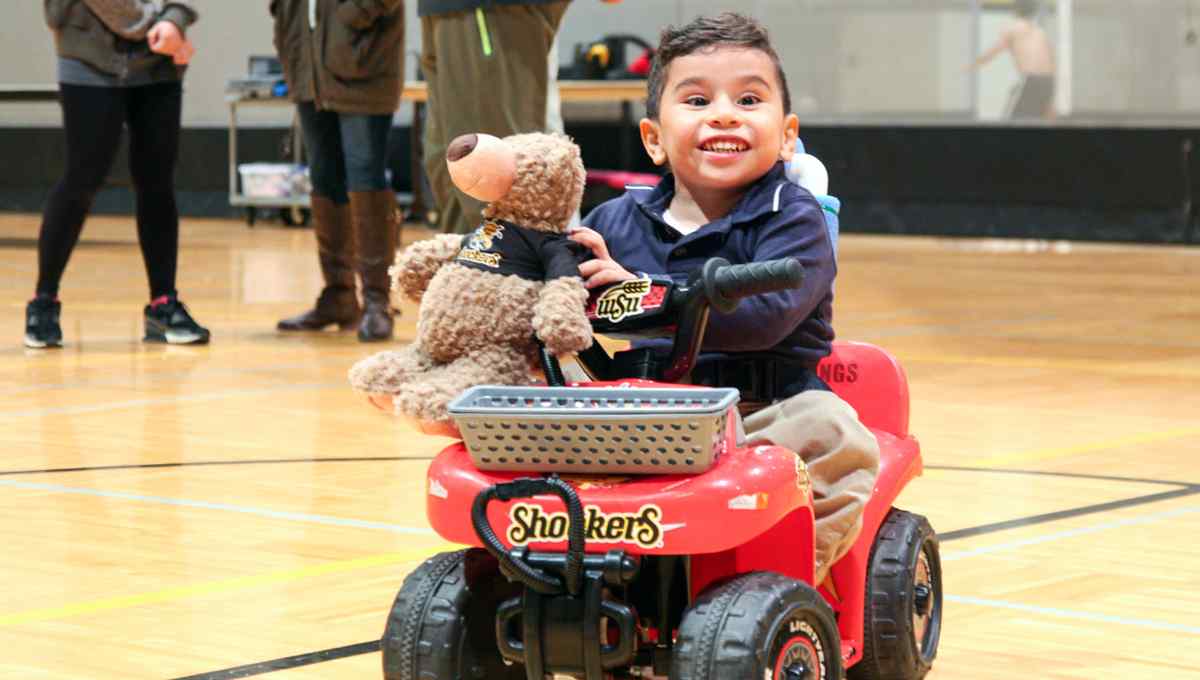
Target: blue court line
x=1074, y=614
x=245, y=510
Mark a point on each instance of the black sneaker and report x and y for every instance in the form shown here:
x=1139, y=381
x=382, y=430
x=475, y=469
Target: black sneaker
x=41, y=323
x=170, y=322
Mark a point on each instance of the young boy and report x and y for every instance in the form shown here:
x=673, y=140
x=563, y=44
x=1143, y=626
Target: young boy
x=718, y=116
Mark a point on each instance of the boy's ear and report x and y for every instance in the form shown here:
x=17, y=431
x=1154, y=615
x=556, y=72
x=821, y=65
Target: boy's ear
x=652, y=140
x=791, y=132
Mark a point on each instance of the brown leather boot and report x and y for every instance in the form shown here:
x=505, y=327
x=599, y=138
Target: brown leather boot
x=377, y=231
x=338, y=303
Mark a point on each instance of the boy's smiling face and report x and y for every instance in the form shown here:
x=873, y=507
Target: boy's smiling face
x=721, y=123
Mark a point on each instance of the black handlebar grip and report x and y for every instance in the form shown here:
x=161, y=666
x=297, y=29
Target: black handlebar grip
x=727, y=283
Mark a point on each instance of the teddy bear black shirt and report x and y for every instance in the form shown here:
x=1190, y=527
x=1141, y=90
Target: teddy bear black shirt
x=509, y=249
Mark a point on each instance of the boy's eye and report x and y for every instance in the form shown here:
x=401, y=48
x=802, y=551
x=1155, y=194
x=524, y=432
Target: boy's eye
x=696, y=100
x=749, y=100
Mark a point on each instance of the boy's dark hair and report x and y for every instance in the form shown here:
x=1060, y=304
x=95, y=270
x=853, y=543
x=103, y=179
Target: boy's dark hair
x=1026, y=8
x=728, y=28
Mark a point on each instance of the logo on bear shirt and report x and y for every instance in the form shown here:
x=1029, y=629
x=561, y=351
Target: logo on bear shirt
x=482, y=240
x=483, y=237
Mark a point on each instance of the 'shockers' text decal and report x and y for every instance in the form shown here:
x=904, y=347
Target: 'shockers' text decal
x=529, y=523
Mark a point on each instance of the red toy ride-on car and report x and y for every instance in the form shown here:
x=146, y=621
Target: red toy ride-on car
x=651, y=543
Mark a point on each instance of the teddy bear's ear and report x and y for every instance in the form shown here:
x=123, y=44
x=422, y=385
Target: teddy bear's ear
x=482, y=166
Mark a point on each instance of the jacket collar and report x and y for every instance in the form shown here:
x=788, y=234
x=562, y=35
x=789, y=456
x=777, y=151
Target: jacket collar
x=763, y=197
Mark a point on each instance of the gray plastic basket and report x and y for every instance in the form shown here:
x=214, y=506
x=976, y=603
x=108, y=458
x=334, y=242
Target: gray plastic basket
x=622, y=430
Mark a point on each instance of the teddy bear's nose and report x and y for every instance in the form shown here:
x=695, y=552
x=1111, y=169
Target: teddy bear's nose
x=462, y=146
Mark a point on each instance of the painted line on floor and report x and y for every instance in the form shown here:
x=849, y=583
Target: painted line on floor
x=288, y=662
x=368, y=647
x=1054, y=473
x=216, y=587
x=165, y=401
x=1070, y=533
x=212, y=463
x=140, y=380
x=1051, y=453
x=1076, y=615
x=1069, y=513
x=224, y=507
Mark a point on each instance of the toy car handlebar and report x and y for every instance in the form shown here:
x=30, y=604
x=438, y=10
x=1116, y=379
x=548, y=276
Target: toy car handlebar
x=657, y=306
x=725, y=283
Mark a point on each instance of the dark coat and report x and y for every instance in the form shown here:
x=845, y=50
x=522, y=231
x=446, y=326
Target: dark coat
x=110, y=35
x=353, y=62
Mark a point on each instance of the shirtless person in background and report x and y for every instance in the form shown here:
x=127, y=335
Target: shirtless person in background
x=1034, y=59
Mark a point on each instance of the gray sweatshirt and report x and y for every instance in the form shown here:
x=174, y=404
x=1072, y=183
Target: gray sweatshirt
x=107, y=38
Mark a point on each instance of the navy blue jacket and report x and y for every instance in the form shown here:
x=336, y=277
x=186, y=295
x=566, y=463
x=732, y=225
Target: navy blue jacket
x=775, y=219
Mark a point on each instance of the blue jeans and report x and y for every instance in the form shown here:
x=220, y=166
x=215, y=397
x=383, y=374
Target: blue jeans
x=346, y=152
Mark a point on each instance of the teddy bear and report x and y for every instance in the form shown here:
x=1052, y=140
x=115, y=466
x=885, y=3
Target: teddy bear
x=487, y=298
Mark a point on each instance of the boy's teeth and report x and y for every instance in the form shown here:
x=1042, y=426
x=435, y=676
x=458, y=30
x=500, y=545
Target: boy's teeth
x=723, y=147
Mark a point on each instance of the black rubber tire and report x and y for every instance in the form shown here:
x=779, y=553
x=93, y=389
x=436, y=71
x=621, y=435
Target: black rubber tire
x=744, y=628
x=441, y=629
x=891, y=650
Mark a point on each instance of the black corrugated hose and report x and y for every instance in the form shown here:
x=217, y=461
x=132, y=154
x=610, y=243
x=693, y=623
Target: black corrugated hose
x=517, y=570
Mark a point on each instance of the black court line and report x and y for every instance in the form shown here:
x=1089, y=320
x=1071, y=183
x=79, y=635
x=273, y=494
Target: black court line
x=368, y=459
x=1066, y=514
x=288, y=662
x=32, y=243
x=374, y=646
x=1069, y=475
x=203, y=463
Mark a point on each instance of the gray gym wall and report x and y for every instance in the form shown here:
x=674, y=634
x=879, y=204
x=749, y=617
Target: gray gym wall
x=230, y=31
x=847, y=60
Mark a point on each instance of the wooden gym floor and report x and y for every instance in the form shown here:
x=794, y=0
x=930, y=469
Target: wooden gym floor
x=236, y=511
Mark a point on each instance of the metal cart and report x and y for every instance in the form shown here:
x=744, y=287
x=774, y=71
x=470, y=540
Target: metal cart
x=293, y=210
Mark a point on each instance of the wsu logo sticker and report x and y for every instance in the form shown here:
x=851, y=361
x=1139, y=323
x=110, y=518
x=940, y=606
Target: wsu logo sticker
x=623, y=300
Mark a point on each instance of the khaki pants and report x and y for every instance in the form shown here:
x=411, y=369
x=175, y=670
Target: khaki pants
x=842, y=458
x=487, y=72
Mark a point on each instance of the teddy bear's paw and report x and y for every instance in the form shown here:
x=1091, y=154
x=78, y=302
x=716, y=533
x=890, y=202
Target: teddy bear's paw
x=422, y=402
x=365, y=374
x=565, y=336
x=417, y=264
x=387, y=372
x=559, y=319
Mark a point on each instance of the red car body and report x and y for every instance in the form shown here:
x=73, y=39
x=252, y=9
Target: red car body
x=751, y=511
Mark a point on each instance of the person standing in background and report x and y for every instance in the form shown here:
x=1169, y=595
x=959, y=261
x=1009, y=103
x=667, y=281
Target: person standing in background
x=344, y=65
x=487, y=65
x=120, y=64
x=1033, y=56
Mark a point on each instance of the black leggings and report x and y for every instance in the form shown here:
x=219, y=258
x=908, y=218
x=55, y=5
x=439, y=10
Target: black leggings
x=93, y=118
